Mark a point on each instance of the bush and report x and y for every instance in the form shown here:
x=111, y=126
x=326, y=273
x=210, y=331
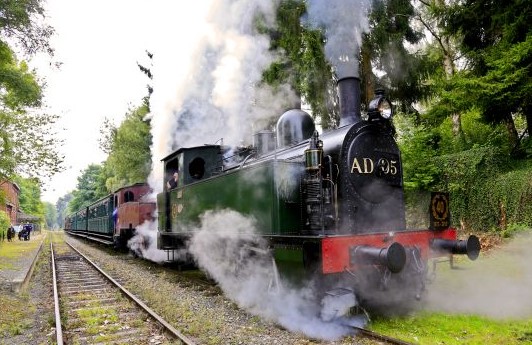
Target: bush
x=487, y=189
x=5, y=222
x=514, y=229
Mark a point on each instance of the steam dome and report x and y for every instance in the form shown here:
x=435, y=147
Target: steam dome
x=294, y=126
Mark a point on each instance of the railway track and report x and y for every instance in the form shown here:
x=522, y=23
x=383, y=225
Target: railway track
x=188, y=276
x=92, y=308
x=382, y=339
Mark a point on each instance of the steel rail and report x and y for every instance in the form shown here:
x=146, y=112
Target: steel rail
x=141, y=304
x=58, y=327
x=380, y=337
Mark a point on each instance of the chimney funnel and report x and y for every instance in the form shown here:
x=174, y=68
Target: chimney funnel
x=349, y=96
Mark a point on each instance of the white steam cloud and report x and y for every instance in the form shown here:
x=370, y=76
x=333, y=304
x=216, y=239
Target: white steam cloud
x=344, y=21
x=221, y=248
x=144, y=242
x=498, y=286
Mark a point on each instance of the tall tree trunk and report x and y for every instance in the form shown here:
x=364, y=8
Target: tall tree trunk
x=528, y=115
x=366, y=74
x=449, y=68
x=512, y=131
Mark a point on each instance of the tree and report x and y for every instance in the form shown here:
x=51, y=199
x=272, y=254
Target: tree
x=50, y=215
x=385, y=49
x=30, y=196
x=304, y=66
x=107, y=136
x=128, y=145
x=496, y=39
x=5, y=222
x=21, y=21
x=443, y=53
x=62, y=209
x=302, y=63
x=89, y=188
x=129, y=159
x=26, y=143
x=147, y=71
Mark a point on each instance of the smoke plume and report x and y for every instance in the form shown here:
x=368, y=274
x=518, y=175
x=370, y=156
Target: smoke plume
x=227, y=246
x=344, y=23
x=144, y=242
x=207, y=84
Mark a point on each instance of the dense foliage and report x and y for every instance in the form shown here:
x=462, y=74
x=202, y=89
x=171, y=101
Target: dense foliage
x=5, y=222
x=302, y=63
x=30, y=196
x=61, y=207
x=387, y=49
x=129, y=159
x=27, y=146
x=26, y=143
x=90, y=188
x=50, y=215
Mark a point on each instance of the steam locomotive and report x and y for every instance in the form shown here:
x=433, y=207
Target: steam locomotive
x=112, y=220
x=330, y=205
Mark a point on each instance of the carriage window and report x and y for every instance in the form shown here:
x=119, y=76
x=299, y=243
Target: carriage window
x=129, y=196
x=196, y=168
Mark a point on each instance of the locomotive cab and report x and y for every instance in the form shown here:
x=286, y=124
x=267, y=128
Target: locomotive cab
x=193, y=164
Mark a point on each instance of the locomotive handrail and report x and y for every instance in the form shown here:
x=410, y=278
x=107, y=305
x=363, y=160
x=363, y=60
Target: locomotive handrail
x=245, y=159
x=335, y=196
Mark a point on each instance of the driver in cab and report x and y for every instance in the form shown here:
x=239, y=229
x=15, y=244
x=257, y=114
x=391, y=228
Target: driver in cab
x=172, y=183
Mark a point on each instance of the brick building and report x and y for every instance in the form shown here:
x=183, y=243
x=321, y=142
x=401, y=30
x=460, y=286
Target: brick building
x=10, y=206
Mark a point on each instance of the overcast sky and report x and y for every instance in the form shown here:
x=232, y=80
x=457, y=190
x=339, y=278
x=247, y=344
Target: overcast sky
x=98, y=44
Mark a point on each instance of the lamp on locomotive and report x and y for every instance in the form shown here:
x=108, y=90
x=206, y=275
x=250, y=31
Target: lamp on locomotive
x=380, y=107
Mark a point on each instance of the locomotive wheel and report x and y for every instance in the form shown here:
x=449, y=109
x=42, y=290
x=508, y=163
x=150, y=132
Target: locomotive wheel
x=255, y=260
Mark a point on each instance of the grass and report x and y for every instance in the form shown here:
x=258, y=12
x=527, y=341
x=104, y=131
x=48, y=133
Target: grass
x=438, y=328
x=10, y=252
x=16, y=315
x=17, y=310
x=95, y=319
